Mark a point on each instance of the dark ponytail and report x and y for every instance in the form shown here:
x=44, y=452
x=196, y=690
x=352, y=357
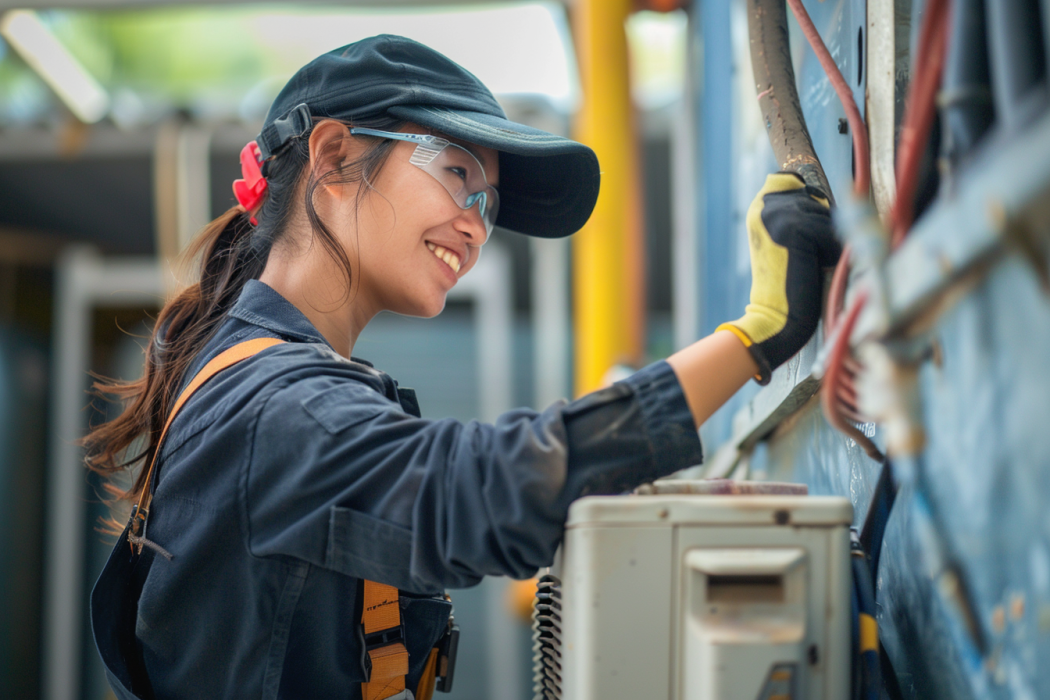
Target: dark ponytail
x=230, y=251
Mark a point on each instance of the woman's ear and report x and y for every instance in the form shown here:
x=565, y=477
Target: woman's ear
x=330, y=146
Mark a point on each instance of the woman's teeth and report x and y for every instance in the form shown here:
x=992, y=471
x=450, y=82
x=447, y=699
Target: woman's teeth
x=450, y=258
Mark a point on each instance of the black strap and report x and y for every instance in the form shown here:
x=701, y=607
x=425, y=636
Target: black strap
x=879, y=672
x=878, y=515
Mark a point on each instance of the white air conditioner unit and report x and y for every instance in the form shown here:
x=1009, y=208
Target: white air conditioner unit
x=699, y=597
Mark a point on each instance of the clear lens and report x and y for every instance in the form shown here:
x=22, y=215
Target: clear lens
x=453, y=166
x=461, y=174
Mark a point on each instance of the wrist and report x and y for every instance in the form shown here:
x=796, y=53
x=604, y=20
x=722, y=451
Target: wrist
x=711, y=370
x=744, y=331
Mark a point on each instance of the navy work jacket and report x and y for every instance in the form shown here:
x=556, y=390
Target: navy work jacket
x=293, y=475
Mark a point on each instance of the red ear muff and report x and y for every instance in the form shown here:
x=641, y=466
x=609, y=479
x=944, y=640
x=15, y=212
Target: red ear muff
x=252, y=188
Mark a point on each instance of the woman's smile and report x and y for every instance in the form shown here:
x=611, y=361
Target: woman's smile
x=447, y=256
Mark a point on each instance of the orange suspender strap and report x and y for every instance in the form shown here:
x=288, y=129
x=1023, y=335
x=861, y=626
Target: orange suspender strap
x=227, y=358
x=384, y=643
x=428, y=681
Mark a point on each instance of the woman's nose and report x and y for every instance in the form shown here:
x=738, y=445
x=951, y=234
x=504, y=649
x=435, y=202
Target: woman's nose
x=473, y=227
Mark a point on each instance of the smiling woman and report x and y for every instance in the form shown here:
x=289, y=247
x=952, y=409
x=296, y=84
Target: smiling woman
x=296, y=521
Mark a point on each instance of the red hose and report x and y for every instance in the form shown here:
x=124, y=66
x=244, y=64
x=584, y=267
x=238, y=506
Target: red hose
x=837, y=292
x=919, y=114
x=833, y=392
x=862, y=176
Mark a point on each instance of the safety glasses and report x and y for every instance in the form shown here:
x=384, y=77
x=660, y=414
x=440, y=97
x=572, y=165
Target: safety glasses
x=453, y=166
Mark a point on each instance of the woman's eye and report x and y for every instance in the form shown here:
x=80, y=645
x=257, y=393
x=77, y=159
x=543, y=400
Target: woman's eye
x=461, y=173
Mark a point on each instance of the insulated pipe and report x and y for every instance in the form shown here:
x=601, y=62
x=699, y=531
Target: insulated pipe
x=1017, y=57
x=777, y=93
x=966, y=97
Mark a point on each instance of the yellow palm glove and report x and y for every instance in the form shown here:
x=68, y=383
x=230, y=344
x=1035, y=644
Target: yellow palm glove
x=791, y=239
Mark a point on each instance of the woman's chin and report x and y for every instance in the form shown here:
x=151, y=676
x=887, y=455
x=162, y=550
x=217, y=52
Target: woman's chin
x=428, y=308
x=435, y=311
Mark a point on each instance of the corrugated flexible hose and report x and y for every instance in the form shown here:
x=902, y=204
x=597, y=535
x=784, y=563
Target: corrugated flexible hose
x=546, y=639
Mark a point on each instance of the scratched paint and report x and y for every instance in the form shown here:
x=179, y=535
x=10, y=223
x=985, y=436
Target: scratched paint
x=986, y=411
x=988, y=460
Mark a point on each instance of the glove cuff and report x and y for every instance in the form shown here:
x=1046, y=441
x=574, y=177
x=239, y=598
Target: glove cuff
x=765, y=372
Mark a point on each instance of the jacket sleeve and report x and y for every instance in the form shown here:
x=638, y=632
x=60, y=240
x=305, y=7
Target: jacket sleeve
x=341, y=476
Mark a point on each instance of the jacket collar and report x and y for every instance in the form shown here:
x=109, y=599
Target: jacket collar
x=261, y=305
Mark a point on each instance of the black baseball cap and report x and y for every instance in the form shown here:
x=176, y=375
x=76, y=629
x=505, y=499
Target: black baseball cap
x=548, y=184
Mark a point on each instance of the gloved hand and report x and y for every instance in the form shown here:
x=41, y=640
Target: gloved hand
x=791, y=239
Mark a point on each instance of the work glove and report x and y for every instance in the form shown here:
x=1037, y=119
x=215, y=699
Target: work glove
x=791, y=240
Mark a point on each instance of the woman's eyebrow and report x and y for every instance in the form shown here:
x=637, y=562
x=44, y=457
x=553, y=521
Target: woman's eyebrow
x=481, y=159
x=469, y=148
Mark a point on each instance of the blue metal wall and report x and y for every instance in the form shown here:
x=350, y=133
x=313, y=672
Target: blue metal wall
x=986, y=412
x=985, y=396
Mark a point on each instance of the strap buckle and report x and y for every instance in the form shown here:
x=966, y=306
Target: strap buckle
x=285, y=129
x=137, y=526
x=377, y=640
x=383, y=638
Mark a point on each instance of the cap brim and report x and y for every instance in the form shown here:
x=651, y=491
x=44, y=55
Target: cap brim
x=548, y=184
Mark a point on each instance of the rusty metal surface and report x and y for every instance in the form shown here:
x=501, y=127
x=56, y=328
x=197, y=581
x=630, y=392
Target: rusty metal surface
x=721, y=487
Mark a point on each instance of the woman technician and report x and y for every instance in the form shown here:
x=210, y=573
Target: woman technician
x=303, y=520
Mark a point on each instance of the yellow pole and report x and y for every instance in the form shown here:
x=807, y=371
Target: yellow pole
x=608, y=254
